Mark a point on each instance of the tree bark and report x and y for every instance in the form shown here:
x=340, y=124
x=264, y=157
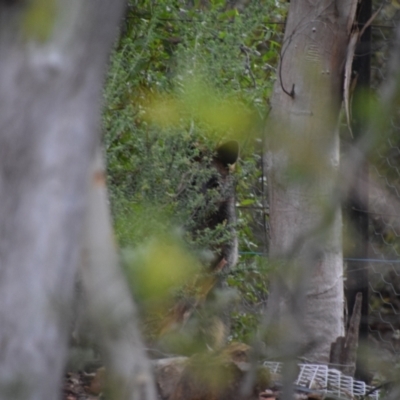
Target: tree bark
x=52, y=60
x=343, y=354
x=109, y=306
x=303, y=160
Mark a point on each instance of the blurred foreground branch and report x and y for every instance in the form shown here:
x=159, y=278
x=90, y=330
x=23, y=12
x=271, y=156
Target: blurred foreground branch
x=109, y=304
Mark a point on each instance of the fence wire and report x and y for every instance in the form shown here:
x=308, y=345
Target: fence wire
x=384, y=204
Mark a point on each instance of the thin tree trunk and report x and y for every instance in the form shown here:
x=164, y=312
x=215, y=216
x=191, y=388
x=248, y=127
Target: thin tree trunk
x=303, y=160
x=109, y=305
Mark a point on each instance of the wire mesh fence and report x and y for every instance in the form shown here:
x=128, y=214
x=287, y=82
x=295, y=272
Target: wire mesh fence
x=383, y=258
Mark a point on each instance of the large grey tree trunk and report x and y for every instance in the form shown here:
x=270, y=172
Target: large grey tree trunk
x=303, y=160
x=53, y=56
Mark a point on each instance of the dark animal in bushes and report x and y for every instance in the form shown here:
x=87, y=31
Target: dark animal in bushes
x=218, y=190
x=218, y=204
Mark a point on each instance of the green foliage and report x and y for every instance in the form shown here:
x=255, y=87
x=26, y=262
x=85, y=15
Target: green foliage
x=250, y=278
x=184, y=77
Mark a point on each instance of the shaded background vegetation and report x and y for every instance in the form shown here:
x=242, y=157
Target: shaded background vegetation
x=181, y=61
x=185, y=61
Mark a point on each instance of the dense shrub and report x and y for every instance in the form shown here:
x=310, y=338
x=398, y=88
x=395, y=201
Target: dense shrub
x=183, y=79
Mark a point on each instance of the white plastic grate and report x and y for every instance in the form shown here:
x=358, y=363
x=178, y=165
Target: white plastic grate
x=328, y=380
